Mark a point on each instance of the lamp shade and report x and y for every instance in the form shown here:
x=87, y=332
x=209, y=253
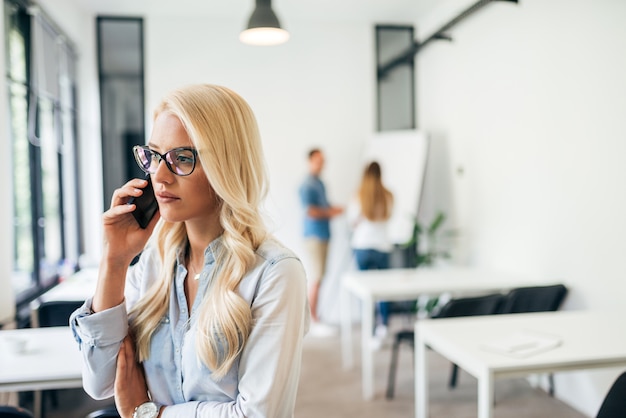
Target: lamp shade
x=263, y=27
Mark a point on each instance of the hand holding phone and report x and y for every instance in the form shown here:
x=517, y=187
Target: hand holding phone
x=146, y=205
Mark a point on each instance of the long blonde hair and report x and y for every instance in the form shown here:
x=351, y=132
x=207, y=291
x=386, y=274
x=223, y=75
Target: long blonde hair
x=376, y=201
x=224, y=130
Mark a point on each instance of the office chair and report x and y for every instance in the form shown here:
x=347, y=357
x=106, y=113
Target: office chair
x=470, y=306
x=535, y=299
x=614, y=403
x=55, y=314
x=14, y=412
x=104, y=413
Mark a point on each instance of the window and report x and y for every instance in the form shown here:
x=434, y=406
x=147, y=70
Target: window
x=120, y=64
x=41, y=86
x=396, y=91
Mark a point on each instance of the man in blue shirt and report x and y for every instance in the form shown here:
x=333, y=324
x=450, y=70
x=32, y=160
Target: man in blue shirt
x=317, y=215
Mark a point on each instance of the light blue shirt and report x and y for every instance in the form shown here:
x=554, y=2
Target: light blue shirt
x=313, y=193
x=263, y=381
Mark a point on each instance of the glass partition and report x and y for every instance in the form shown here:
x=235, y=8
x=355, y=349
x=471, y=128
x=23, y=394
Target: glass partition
x=396, y=87
x=120, y=61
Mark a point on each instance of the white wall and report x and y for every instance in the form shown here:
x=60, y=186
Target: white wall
x=529, y=101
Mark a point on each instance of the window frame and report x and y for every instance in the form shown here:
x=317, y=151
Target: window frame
x=61, y=113
x=382, y=124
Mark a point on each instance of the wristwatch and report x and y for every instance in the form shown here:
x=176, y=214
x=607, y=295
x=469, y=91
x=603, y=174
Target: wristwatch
x=147, y=410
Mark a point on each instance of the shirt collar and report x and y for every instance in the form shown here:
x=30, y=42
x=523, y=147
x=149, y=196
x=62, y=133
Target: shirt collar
x=210, y=253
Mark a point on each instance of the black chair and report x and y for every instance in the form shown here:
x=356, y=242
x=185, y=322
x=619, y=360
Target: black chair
x=470, y=306
x=614, y=404
x=104, y=413
x=54, y=314
x=14, y=412
x=535, y=299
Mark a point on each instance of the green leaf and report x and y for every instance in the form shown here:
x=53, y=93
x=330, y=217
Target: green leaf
x=436, y=223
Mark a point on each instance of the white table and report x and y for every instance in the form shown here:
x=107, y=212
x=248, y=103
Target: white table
x=588, y=339
x=51, y=360
x=78, y=287
x=402, y=284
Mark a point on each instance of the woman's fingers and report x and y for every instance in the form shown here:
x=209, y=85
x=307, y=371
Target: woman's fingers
x=119, y=207
x=121, y=358
x=117, y=216
x=132, y=188
x=130, y=384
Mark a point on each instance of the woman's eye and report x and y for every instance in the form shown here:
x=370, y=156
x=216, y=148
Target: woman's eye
x=184, y=159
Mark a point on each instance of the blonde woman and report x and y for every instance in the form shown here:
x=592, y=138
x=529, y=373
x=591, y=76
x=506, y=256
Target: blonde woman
x=209, y=322
x=368, y=214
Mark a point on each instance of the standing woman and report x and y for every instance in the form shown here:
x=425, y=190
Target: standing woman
x=368, y=215
x=210, y=321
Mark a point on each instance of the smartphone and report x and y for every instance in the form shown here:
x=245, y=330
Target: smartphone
x=146, y=205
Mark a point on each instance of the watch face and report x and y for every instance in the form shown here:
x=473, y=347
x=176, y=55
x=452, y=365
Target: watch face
x=146, y=410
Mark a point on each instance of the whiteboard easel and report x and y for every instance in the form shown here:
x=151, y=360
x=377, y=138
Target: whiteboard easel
x=402, y=156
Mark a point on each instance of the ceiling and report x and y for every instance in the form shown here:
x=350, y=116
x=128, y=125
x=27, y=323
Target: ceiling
x=378, y=11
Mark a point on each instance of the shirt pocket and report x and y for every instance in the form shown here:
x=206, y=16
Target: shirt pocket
x=163, y=356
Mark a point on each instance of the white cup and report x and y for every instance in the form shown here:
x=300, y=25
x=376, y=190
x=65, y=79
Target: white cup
x=16, y=345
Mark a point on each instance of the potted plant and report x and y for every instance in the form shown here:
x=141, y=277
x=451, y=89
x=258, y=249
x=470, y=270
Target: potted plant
x=424, y=249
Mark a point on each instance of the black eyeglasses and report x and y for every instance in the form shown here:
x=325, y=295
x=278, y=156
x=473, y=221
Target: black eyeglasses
x=180, y=161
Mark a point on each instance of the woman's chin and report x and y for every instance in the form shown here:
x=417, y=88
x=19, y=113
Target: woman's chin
x=170, y=217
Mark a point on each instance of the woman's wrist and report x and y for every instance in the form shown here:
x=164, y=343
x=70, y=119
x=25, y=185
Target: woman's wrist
x=115, y=259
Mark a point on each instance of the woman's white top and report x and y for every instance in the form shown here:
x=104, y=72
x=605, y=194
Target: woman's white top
x=366, y=234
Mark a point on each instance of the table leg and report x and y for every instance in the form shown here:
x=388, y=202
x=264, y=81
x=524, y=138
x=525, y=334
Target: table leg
x=37, y=404
x=367, y=361
x=346, y=329
x=485, y=396
x=421, y=378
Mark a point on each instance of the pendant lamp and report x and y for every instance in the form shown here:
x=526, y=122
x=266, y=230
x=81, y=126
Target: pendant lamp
x=263, y=27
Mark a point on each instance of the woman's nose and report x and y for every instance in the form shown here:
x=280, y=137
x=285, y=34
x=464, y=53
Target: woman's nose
x=162, y=172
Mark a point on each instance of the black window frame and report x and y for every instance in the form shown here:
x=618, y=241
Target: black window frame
x=43, y=275
x=380, y=79
x=114, y=175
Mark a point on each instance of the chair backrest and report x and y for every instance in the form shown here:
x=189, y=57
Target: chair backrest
x=614, y=403
x=470, y=306
x=534, y=299
x=56, y=313
x=14, y=412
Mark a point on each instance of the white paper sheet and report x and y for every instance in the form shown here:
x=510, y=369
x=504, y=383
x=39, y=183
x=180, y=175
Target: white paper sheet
x=522, y=344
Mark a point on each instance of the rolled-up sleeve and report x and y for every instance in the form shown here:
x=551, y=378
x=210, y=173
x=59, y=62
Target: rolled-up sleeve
x=99, y=336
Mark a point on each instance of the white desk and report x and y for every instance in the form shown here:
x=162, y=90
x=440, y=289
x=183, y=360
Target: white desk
x=589, y=339
x=402, y=284
x=78, y=287
x=51, y=361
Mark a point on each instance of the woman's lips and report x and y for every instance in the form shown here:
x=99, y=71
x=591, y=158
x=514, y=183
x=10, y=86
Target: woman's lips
x=164, y=197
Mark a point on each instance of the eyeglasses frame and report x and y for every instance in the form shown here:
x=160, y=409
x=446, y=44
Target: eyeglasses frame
x=162, y=157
